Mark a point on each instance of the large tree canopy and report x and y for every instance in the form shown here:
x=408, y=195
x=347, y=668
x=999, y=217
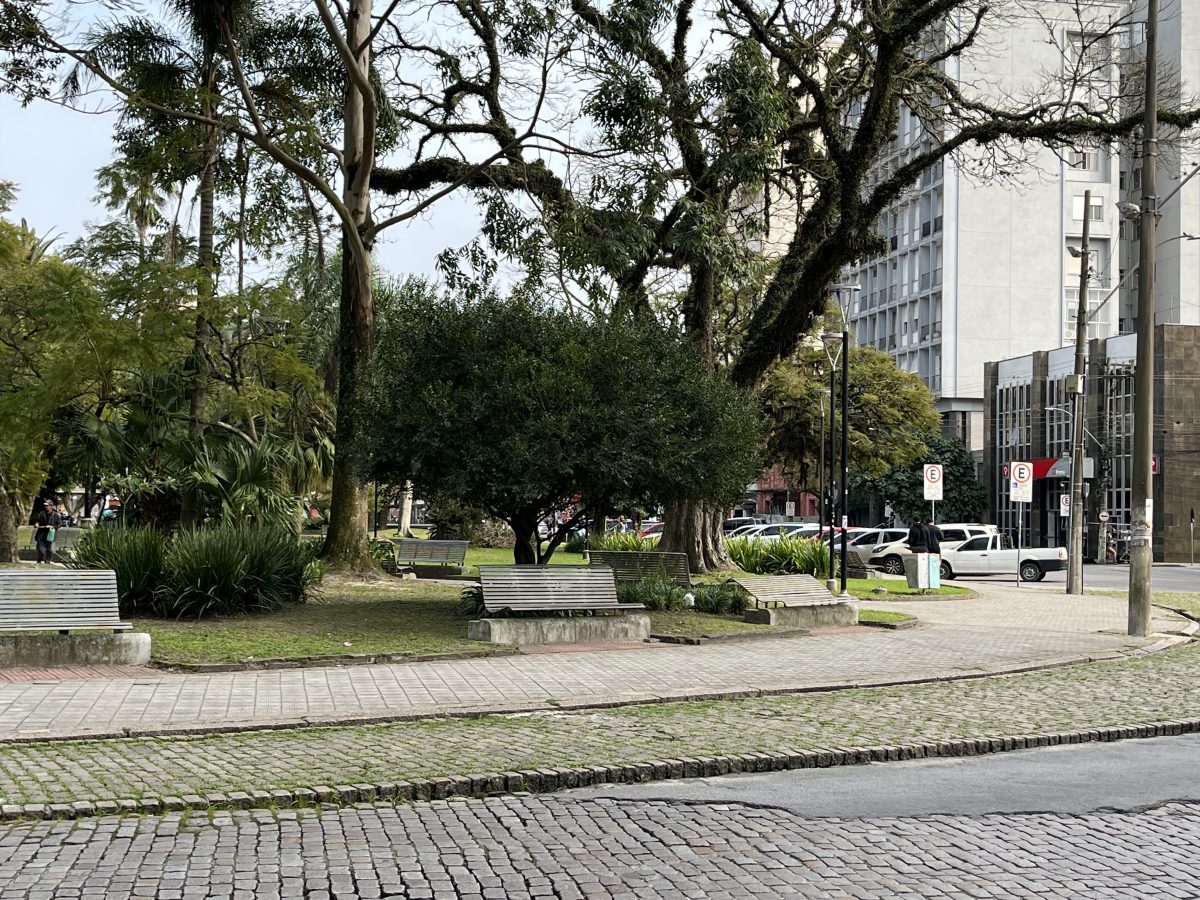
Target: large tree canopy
x=521, y=409
x=890, y=412
x=964, y=497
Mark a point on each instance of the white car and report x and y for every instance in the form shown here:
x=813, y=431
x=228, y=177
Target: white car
x=994, y=554
x=864, y=543
x=775, y=531
x=890, y=556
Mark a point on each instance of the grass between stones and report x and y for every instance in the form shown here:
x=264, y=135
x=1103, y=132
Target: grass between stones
x=1189, y=602
x=1160, y=687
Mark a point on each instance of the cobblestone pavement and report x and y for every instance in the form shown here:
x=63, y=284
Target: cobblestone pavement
x=1007, y=628
x=1160, y=687
x=521, y=847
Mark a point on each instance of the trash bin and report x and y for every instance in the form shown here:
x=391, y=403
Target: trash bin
x=923, y=570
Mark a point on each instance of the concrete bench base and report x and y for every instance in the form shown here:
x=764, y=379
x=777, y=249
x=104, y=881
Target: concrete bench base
x=44, y=650
x=551, y=630
x=817, y=616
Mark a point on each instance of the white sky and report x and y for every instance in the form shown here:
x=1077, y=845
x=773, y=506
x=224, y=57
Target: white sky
x=52, y=154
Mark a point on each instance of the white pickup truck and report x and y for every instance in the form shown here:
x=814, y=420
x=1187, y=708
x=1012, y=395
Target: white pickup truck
x=995, y=555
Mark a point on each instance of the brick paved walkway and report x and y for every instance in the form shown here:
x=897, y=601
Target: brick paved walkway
x=1007, y=628
x=522, y=847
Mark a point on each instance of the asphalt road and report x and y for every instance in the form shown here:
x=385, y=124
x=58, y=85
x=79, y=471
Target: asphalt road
x=1127, y=776
x=1114, y=577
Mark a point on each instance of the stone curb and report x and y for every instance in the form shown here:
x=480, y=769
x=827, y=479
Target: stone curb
x=599, y=702
x=551, y=779
x=732, y=638
x=334, y=661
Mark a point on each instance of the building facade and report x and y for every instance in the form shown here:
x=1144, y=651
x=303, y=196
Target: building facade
x=983, y=269
x=1028, y=419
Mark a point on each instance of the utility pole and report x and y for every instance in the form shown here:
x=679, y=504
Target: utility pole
x=1142, y=515
x=845, y=520
x=1076, y=512
x=831, y=582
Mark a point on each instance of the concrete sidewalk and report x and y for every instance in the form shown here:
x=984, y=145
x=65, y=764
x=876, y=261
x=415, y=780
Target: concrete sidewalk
x=1005, y=629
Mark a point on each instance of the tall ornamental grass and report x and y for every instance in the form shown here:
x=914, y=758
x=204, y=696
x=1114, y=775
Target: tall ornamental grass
x=627, y=541
x=789, y=555
x=135, y=553
x=225, y=570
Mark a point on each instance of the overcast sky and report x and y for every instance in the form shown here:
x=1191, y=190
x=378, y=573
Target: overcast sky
x=52, y=154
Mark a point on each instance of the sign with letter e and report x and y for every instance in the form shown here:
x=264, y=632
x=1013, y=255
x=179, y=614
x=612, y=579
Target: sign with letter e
x=1020, y=482
x=933, y=482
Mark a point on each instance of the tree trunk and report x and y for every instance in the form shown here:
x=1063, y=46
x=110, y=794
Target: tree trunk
x=346, y=545
x=189, y=513
x=695, y=529
x=524, y=526
x=404, y=526
x=10, y=518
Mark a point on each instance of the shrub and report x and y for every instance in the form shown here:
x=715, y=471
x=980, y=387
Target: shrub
x=654, y=592
x=234, y=569
x=622, y=541
x=785, y=556
x=470, y=602
x=725, y=598
x=135, y=553
x=575, y=545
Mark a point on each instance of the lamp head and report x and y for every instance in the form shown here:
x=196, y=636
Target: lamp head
x=1129, y=210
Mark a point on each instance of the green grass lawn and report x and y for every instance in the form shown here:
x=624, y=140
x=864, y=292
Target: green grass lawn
x=503, y=556
x=883, y=617
x=689, y=623
x=399, y=617
x=864, y=588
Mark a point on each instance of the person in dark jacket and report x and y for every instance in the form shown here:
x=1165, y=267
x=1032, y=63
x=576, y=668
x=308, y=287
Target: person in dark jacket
x=918, y=537
x=933, y=538
x=46, y=523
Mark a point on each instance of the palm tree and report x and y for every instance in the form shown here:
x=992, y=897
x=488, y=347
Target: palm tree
x=137, y=192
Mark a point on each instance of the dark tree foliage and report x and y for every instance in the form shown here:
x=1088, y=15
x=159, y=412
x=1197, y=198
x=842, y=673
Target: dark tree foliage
x=521, y=408
x=964, y=497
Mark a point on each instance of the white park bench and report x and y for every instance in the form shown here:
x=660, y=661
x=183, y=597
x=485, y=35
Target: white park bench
x=550, y=589
x=637, y=565
x=62, y=600
x=417, y=550
x=786, y=590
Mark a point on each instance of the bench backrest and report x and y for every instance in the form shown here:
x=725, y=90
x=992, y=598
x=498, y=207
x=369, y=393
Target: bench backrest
x=787, y=590
x=547, y=587
x=59, y=600
x=635, y=565
x=418, y=550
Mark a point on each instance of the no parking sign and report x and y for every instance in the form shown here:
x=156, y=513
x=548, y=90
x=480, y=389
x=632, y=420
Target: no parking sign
x=1020, y=482
x=933, y=482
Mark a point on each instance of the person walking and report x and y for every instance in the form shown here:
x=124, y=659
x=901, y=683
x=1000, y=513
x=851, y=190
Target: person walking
x=46, y=524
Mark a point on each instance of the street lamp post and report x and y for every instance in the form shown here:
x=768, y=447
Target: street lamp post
x=828, y=339
x=844, y=294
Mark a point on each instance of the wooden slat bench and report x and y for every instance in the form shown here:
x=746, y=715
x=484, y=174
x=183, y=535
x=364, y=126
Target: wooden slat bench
x=550, y=588
x=635, y=565
x=786, y=590
x=416, y=550
x=59, y=600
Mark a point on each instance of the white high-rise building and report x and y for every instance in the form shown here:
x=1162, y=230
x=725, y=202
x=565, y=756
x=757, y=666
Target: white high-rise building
x=980, y=270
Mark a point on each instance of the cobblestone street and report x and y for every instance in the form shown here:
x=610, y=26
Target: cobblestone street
x=521, y=847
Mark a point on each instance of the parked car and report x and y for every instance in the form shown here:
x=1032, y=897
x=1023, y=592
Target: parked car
x=874, y=537
x=652, y=529
x=994, y=554
x=890, y=556
x=731, y=525
x=771, y=533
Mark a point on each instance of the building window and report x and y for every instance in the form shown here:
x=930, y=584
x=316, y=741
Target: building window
x=1095, y=211
x=1084, y=160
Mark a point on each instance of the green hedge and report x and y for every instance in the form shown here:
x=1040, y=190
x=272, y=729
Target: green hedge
x=214, y=571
